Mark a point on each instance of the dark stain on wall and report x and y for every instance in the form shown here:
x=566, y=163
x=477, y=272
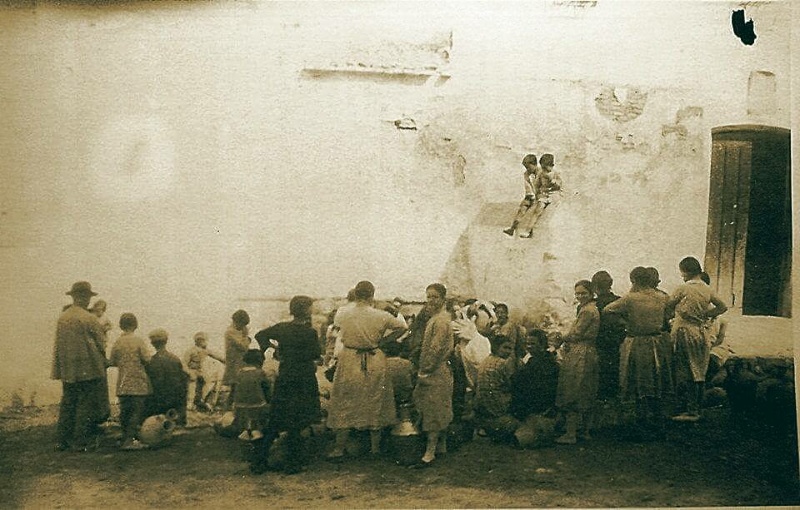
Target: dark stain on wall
x=742, y=29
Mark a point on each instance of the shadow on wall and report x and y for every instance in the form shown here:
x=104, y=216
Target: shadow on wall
x=530, y=274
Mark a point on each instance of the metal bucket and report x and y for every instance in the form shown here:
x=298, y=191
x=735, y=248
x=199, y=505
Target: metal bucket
x=405, y=440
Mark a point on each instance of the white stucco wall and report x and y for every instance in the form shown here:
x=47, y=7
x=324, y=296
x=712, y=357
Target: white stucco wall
x=177, y=157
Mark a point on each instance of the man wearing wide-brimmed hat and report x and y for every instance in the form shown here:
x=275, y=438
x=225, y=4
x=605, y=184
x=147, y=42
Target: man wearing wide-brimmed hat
x=79, y=361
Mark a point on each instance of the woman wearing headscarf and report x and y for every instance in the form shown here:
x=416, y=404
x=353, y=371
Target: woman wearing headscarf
x=295, y=399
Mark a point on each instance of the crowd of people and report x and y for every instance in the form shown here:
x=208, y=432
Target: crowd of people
x=461, y=366
x=150, y=380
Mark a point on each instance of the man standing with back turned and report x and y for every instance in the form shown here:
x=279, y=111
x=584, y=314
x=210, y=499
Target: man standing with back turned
x=79, y=361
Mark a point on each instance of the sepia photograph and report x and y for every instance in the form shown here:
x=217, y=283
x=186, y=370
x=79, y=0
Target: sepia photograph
x=397, y=254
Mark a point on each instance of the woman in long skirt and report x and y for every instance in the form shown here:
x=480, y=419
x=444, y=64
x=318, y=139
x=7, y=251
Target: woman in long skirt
x=295, y=400
x=692, y=303
x=579, y=376
x=434, y=390
x=644, y=372
x=362, y=396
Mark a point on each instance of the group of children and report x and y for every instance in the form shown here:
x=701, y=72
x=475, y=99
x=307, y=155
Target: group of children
x=541, y=183
x=146, y=384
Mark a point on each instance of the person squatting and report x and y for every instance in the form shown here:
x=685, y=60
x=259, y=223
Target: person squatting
x=459, y=367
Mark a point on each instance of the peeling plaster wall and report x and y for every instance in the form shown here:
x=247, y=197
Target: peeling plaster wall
x=178, y=157
x=636, y=168
x=633, y=188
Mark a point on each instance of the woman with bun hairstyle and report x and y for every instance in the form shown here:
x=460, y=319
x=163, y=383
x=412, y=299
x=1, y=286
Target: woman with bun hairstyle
x=693, y=304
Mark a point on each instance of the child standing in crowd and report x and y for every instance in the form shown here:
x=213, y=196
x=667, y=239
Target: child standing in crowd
x=693, y=303
x=529, y=178
x=236, y=344
x=578, y=377
x=194, y=363
x=168, y=379
x=252, y=394
x=130, y=356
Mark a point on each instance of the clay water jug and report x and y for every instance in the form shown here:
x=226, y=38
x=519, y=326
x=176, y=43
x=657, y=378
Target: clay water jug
x=535, y=431
x=157, y=430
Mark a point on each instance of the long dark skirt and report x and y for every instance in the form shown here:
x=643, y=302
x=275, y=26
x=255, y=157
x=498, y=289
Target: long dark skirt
x=295, y=403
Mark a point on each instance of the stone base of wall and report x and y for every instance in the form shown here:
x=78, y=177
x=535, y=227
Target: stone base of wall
x=757, y=392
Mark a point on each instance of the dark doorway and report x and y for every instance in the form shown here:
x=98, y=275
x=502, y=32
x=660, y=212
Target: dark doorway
x=749, y=238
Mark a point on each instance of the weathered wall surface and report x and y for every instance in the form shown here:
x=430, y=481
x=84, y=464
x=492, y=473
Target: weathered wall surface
x=178, y=157
x=632, y=189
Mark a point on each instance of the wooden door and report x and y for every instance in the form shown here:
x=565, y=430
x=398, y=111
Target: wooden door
x=729, y=201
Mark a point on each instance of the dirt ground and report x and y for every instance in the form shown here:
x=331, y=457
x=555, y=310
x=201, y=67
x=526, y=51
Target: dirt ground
x=713, y=463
